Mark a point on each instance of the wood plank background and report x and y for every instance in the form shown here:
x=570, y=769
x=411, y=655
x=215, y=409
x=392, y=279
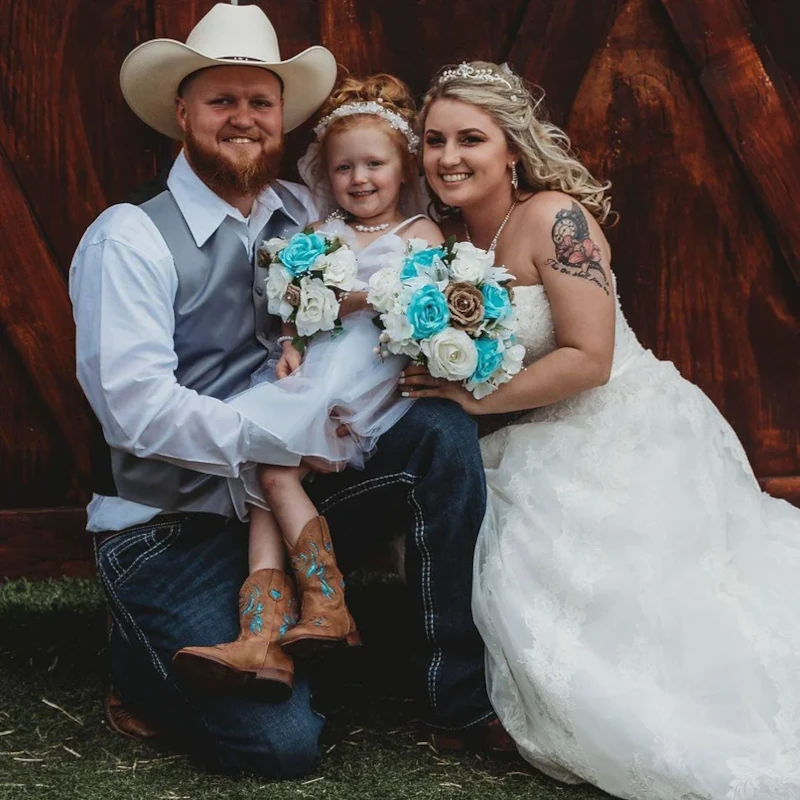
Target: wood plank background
x=691, y=109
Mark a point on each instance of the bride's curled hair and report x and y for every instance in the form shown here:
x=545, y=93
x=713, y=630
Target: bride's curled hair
x=546, y=161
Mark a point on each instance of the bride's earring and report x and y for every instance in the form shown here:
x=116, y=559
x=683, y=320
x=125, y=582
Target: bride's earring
x=514, y=176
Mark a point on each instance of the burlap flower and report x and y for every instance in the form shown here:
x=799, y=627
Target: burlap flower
x=293, y=295
x=465, y=302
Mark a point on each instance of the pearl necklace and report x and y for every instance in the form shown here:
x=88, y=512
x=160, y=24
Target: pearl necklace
x=370, y=228
x=499, y=230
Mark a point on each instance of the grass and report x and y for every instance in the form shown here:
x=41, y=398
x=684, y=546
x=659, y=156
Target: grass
x=53, y=742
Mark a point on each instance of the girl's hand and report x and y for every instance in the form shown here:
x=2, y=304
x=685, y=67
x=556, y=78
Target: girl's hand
x=416, y=382
x=355, y=301
x=290, y=360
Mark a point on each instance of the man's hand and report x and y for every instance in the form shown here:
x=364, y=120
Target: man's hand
x=290, y=360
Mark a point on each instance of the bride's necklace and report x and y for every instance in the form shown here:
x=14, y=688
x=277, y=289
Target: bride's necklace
x=506, y=218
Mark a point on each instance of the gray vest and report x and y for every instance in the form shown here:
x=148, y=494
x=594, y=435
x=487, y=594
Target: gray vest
x=222, y=334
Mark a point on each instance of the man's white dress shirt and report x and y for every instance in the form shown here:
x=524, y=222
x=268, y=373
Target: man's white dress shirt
x=122, y=284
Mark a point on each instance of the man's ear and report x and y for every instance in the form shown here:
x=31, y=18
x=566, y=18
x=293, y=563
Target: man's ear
x=181, y=112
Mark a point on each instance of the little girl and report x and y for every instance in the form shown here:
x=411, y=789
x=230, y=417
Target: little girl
x=363, y=169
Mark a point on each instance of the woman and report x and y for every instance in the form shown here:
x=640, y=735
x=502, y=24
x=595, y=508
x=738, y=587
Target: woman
x=636, y=590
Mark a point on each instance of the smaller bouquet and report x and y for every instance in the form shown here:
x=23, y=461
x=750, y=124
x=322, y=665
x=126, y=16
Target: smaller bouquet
x=307, y=278
x=450, y=309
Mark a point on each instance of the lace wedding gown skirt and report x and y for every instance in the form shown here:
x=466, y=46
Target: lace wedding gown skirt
x=638, y=594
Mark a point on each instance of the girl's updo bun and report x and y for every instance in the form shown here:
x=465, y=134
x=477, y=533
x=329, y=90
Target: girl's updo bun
x=380, y=88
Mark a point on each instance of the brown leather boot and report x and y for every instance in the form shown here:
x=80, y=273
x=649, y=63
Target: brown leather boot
x=325, y=621
x=124, y=722
x=254, y=663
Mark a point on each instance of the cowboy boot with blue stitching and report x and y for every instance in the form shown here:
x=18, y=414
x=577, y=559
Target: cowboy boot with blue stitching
x=325, y=621
x=254, y=663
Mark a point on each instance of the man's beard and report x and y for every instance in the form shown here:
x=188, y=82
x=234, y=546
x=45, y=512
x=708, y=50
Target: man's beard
x=226, y=176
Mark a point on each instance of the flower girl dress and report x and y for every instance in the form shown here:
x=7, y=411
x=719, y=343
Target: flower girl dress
x=341, y=381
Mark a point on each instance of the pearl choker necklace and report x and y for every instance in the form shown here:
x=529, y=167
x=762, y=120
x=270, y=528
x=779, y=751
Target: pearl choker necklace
x=370, y=228
x=343, y=216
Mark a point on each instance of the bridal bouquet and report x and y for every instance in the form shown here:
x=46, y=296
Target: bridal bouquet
x=307, y=278
x=450, y=309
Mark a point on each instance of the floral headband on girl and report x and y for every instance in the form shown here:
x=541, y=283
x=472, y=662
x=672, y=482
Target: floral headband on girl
x=394, y=119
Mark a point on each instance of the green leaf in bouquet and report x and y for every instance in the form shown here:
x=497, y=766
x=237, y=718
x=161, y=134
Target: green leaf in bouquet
x=307, y=231
x=335, y=245
x=338, y=329
x=378, y=323
x=299, y=343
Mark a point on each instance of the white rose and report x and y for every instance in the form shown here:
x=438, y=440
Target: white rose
x=471, y=264
x=272, y=246
x=451, y=354
x=278, y=280
x=384, y=288
x=318, y=309
x=339, y=269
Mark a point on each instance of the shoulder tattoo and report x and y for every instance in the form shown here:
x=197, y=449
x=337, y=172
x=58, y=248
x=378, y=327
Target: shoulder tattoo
x=576, y=253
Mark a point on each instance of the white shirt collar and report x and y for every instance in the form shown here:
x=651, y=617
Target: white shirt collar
x=204, y=210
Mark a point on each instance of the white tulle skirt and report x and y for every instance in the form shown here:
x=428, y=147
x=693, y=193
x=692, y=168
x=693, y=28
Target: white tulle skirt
x=341, y=381
x=640, y=597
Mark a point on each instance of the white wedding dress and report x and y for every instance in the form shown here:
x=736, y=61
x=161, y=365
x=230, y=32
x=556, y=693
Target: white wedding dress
x=638, y=594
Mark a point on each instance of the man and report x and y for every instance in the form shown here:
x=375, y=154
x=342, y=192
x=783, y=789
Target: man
x=171, y=319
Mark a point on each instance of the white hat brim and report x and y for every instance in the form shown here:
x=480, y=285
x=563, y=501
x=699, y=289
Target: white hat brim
x=150, y=76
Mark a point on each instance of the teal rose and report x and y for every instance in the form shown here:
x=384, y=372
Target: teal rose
x=496, y=302
x=302, y=252
x=427, y=312
x=422, y=259
x=490, y=357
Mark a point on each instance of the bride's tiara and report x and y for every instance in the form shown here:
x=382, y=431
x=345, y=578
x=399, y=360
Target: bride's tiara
x=466, y=71
x=371, y=107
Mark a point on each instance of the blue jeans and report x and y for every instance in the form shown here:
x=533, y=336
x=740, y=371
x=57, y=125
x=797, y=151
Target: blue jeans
x=174, y=581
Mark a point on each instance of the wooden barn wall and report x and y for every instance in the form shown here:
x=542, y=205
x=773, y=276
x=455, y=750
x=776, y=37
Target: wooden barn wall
x=690, y=109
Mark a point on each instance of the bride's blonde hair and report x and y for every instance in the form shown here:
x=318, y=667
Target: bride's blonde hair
x=546, y=160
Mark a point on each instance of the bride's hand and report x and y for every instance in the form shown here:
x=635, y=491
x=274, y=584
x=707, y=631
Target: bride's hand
x=416, y=382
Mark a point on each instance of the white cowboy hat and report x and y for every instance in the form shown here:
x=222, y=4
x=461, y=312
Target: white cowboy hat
x=227, y=35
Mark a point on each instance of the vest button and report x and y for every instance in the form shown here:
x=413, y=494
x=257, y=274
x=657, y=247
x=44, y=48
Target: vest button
x=259, y=290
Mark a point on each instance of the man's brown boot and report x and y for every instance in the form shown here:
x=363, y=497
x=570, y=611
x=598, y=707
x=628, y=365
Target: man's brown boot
x=254, y=663
x=124, y=722
x=325, y=621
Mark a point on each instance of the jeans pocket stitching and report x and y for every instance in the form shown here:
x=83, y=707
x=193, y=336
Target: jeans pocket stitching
x=151, y=552
x=119, y=606
x=366, y=486
x=113, y=554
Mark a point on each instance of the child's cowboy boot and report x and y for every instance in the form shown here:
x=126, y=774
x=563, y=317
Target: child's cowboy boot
x=325, y=621
x=254, y=663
